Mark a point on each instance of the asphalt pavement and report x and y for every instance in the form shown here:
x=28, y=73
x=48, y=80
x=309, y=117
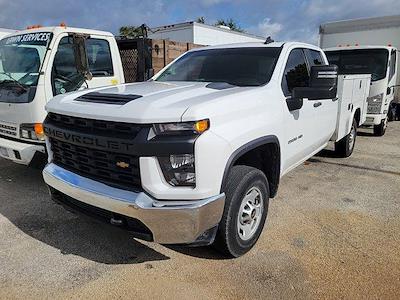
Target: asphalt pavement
x=332, y=232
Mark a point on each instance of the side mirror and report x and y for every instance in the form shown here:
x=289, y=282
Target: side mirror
x=323, y=84
x=81, y=59
x=294, y=103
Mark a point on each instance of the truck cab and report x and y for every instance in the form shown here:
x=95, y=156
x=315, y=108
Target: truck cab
x=380, y=62
x=39, y=63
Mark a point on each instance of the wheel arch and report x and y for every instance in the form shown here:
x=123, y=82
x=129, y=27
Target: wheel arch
x=357, y=116
x=270, y=163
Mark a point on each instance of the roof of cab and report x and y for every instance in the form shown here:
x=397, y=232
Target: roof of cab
x=61, y=29
x=361, y=47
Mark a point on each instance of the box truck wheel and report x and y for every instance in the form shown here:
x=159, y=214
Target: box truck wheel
x=392, y=113
x=379, y=130
x=345, y=147
x=246, y=208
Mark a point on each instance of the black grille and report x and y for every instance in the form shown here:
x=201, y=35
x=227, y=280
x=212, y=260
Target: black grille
x=106, y=166
x=97, y=127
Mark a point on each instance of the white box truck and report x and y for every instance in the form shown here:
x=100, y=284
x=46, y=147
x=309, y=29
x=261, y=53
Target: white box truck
x=368, y=46
x=38, y=63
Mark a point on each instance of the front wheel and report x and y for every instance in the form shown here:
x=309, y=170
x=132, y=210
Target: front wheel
x=345, y=147
x=246, y=208
x=379, y=130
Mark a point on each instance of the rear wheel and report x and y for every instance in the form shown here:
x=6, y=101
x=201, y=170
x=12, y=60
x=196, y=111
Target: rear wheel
x=379, y=130
x=345, y=147
x=246, y=208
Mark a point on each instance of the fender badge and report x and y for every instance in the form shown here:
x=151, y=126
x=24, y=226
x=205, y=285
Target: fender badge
x=122, y=164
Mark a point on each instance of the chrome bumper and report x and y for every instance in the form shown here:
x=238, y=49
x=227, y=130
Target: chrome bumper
x=171, y=222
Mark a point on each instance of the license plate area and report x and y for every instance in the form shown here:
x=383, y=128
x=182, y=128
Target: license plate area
x=4, y=152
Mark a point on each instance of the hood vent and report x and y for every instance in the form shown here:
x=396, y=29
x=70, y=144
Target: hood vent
x=105, y=98
x=220, y=85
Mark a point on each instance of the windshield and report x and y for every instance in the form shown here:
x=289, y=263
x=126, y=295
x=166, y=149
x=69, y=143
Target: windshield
x=21, y=57
x=362, y=61
x=236, y=66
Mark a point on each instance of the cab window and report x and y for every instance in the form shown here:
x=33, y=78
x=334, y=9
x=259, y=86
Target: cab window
x=296, y=72
x=392, y=69
x=65, y=76
x=99, y=57
x=314, y=57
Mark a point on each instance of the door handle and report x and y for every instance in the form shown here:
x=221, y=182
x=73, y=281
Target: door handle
x=316, y=104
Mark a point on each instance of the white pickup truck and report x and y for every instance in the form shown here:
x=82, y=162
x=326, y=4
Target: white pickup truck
x=194, y=155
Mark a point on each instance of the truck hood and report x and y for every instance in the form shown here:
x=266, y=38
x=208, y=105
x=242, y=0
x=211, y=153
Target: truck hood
x=158, y=101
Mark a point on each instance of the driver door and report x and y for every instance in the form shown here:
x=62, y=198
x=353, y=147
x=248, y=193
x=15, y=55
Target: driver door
x=64, y=73
x=300, y=123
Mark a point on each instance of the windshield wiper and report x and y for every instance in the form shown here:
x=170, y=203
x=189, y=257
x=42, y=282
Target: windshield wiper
x=13, y=80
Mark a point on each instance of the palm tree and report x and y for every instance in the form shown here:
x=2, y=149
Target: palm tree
x=232, y=24
x=201, y=20
x=131, y=31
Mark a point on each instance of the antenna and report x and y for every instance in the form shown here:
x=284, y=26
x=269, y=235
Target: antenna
x=268, y=40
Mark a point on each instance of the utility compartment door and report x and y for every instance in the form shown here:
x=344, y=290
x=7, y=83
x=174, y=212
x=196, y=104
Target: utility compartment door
x=345, y=96
x=361, y=84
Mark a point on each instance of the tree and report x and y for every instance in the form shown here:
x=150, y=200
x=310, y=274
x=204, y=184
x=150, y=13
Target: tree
x=232, y=24
x=131, y=31
x=201, y=20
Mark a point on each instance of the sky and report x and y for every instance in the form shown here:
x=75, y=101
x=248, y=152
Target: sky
x=282, y=19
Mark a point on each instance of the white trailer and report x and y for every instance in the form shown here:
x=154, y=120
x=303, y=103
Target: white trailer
x=371, y=47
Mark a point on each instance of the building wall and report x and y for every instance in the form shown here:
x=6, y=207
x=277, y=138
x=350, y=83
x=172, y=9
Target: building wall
x=209, y=36
x=202, y=35
x=184, y=34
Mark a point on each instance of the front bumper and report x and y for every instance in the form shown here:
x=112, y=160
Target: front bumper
x=374, y=119
x=170, y=222
x=20, y=152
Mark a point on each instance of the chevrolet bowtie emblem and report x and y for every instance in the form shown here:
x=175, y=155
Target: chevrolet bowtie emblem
x=122, y=164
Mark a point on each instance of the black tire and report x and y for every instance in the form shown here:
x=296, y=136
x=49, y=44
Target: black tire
x=379, y=130
x=345, y=147
x=241, y=180
x=391, y=114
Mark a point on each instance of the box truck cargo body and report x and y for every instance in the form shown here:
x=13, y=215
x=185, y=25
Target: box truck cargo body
x=368, y=45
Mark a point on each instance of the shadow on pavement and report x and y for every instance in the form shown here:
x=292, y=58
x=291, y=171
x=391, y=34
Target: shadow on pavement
x=200, y=252
x=326, y=153
x=24, y=201
x=364, y=133
x=315, y=160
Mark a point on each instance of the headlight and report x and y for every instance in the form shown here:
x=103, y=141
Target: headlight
x=375, y=104
x=197, y=127
x=32, y=131
x=179, y=169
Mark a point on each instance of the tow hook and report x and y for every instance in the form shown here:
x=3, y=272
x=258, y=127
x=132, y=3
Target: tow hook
x=116, y=222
